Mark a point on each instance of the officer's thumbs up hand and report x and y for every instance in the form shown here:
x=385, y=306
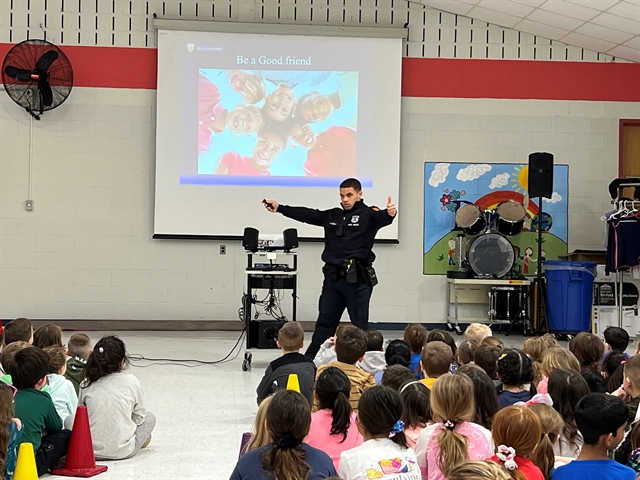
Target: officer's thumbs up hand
x=391, y=207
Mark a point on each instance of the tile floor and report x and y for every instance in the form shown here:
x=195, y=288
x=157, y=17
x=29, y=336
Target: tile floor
x=202, y=411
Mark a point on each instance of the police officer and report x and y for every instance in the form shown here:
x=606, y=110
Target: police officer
x=348, y=273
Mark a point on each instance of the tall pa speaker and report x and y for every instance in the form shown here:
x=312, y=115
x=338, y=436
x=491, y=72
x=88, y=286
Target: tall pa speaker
x=264, y=333
x=540, y=175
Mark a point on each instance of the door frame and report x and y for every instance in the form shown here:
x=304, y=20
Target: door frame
x=624, y=122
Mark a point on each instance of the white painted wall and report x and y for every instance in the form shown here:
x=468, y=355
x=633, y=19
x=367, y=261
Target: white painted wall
x=86, y=251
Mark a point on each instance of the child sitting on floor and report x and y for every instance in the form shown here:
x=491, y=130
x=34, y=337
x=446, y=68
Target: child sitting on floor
x=120, y=424
x=78, y=351
x=61, y=390
x=374, y=360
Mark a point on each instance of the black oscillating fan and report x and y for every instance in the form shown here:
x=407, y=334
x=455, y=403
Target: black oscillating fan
x=37, y=75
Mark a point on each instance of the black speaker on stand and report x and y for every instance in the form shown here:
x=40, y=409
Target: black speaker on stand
x=540, y=185
x=264, y=333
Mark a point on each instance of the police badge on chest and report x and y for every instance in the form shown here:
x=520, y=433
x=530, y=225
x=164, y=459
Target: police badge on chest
x=354, y=221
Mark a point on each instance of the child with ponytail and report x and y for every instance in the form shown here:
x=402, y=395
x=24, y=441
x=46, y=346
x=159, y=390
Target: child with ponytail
x=10, y=430
x=120, y=424
x=552, y=425
x=286, y=457
x=384, y=453
x=333, y=426
x=453, y=439
x=516, y=432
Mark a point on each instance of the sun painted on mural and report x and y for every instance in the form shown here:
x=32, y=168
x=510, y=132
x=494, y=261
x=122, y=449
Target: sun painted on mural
x=450, y=186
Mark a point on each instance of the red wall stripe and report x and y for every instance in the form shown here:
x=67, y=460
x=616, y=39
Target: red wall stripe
x=128, y=67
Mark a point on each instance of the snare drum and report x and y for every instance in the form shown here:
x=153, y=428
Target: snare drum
x=471, y=220
x=507, y=304
x=511, y=216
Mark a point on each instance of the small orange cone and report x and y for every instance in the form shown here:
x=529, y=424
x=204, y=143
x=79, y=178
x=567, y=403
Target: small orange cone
x=293, y=383
x=26, y=464
x=81, y=461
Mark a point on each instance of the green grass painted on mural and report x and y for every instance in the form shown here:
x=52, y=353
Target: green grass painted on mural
x=436, y=260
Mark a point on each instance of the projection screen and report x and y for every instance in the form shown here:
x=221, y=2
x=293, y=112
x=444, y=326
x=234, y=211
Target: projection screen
x=242, y=117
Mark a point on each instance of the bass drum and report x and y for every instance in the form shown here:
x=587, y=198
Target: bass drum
x=491, y=255
x=511, y=216
x=471, y=220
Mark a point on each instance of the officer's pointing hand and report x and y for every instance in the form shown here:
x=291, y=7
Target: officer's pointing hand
x=271, y=205
x=391, y=207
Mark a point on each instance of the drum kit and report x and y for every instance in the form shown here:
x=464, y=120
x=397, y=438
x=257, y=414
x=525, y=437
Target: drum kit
x=489, y=254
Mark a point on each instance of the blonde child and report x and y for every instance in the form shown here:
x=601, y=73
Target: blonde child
x=120, y=424
x=61, y=390
x=78, y=350
x=479, y=470
x=516, y=432
x=384, y=453
x=10, y=431
x=453, y=439
x=535, y=348
x=551, y=423
x=552, y=359
x=259, y=435
x=477, y=332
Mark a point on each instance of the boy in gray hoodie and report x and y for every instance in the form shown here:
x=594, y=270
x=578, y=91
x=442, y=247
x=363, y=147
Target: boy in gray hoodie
x=373, y=361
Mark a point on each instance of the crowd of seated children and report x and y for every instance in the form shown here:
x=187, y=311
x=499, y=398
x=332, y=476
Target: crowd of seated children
x=487, y=420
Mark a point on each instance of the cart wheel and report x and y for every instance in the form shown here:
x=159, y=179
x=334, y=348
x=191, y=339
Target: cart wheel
x=570, y=337
x=449, y=327
x=245, y=365
x=458, y=330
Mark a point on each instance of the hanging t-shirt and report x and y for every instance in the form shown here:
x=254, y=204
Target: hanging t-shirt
x=379, y=458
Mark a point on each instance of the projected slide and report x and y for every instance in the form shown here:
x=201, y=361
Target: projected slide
x=278, y=123
x=244, y=116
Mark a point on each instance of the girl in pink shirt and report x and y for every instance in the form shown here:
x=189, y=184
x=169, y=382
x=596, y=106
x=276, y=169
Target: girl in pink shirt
x=453, y=439
x=333, y=427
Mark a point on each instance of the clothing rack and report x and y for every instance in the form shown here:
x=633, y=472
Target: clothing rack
x=616, y=188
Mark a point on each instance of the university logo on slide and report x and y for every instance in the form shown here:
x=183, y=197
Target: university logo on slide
x=190, y=47
x=355, y=219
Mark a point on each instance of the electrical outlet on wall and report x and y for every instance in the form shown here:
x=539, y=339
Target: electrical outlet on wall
x=223, y=249
x=28, y=205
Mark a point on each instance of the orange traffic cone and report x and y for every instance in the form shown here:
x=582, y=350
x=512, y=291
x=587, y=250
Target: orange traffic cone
x=80, y=459
x=293, y=383
x=26, y=464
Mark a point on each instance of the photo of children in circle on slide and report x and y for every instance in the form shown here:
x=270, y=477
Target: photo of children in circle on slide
x=277, y=123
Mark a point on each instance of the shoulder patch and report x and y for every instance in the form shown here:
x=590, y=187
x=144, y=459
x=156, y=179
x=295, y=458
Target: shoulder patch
x=374, y=208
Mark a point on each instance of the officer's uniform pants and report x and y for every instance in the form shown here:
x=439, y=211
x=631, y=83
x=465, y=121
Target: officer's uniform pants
x=335, y=297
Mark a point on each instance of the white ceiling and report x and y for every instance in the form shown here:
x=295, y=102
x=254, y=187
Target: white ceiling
x=606, y=26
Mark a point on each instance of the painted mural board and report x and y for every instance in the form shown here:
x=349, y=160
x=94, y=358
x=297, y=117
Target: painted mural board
x=487, y=186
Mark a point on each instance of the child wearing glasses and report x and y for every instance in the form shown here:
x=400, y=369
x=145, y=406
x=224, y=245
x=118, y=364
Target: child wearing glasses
x=10, y=431
x=120, y=424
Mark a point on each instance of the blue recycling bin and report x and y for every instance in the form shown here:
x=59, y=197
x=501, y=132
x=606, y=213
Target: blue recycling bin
x=569, y=295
